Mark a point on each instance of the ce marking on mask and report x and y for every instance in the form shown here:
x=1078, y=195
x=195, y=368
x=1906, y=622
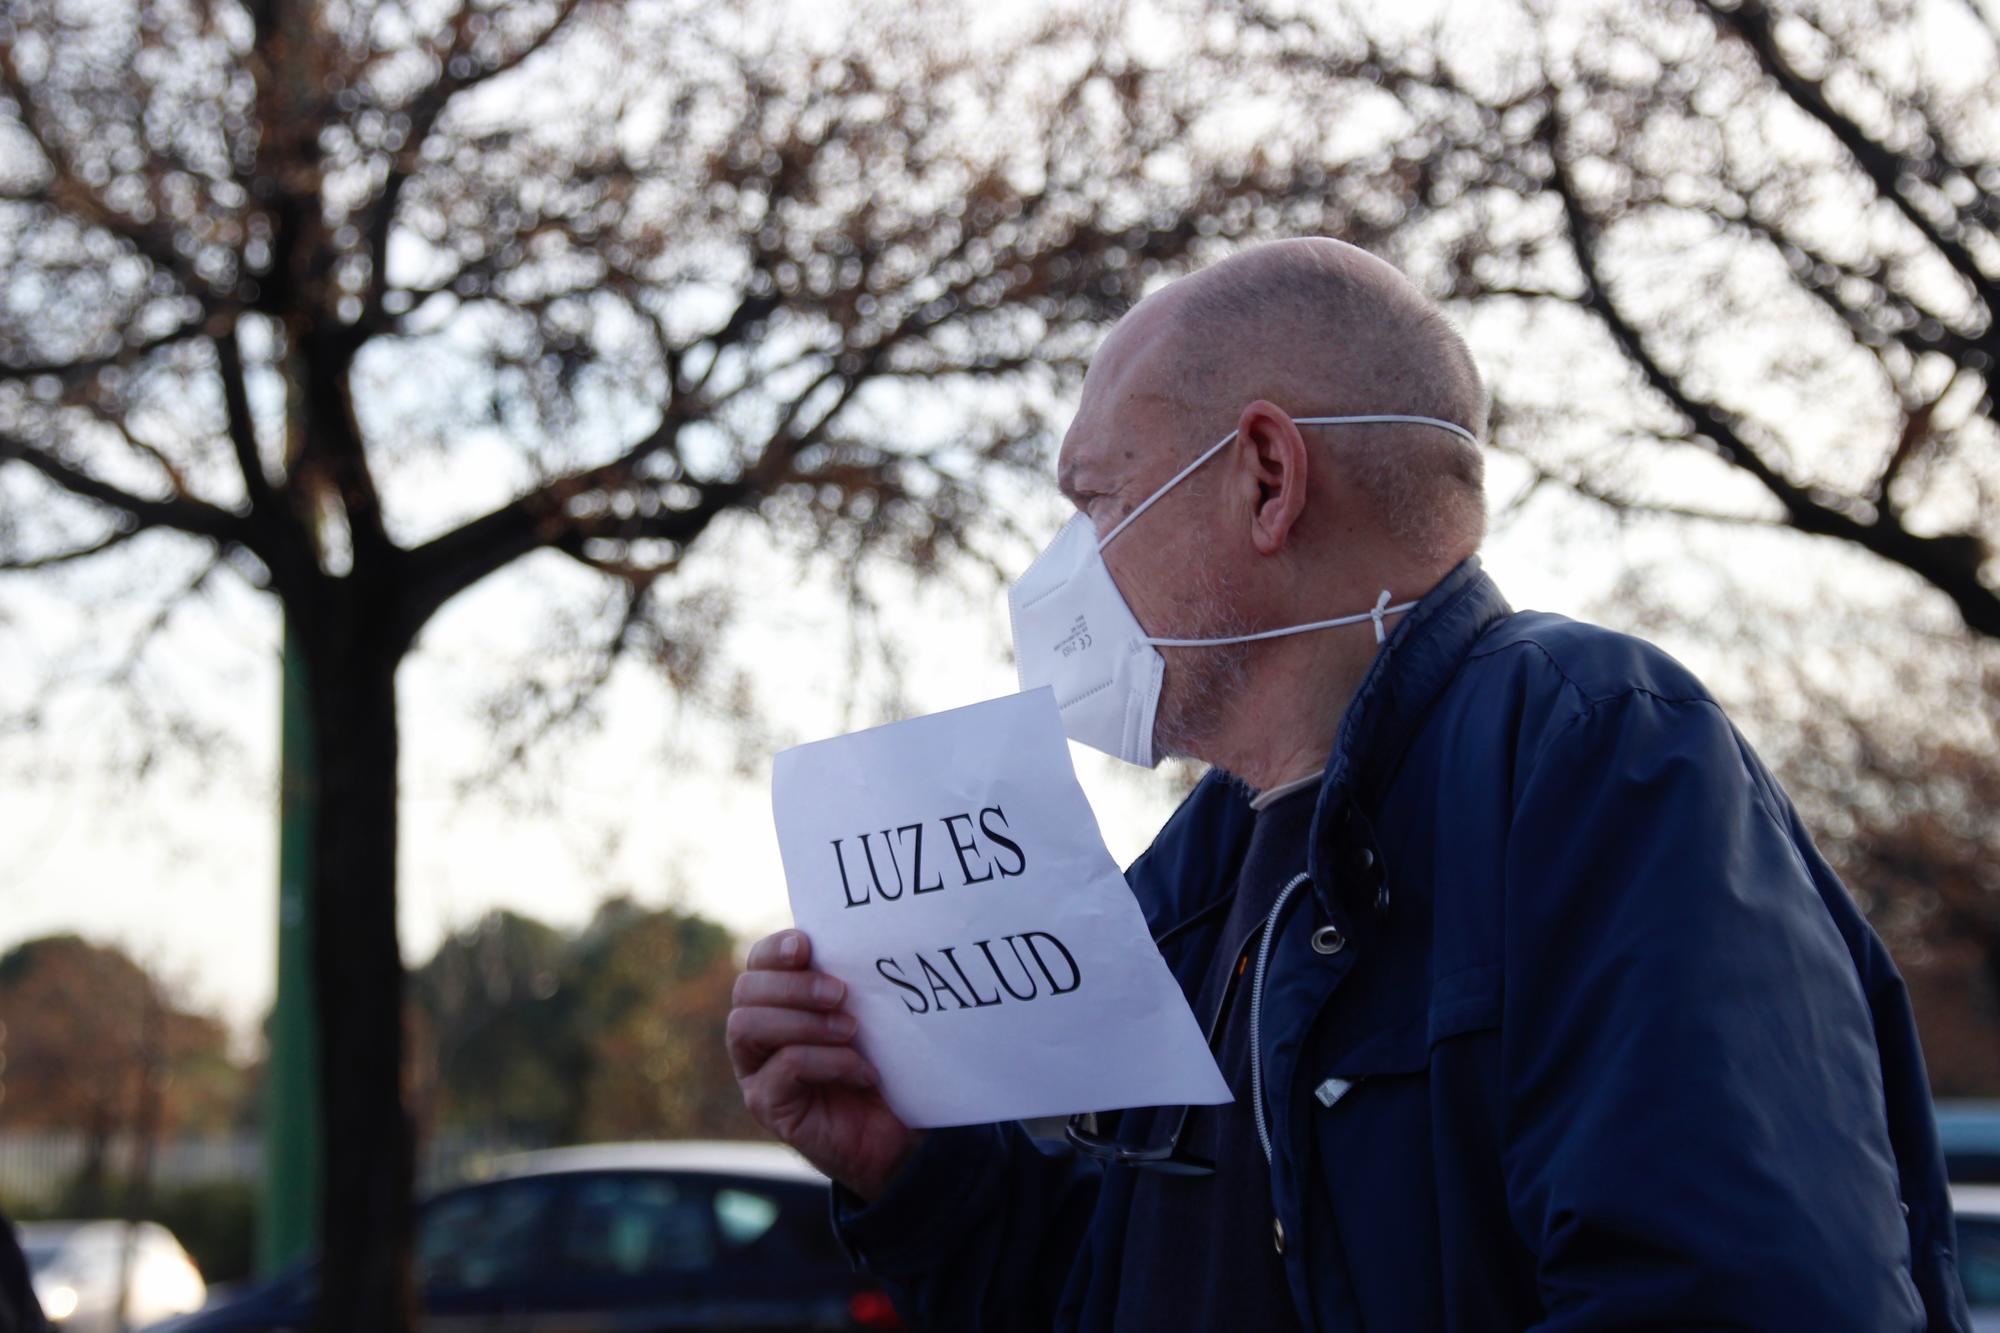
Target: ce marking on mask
x=1077, y=639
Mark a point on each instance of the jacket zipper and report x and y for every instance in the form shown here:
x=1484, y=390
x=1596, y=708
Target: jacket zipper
x=1257, y=1012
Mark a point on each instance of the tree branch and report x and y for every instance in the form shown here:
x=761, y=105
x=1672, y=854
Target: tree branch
x=70, y=195
x=151, y=452
x=1949, y=562
x=1860, y=322
x=1625, y=506
x=284, y=542
x=160, y=618
x=1919, y=431
x=581, y=694
x=182, y=513
x=424, y=112
x=1752, y=23
x=446, y=565
x=73, y=371
x=749, y=312
x=242, y=425
x=118, y=537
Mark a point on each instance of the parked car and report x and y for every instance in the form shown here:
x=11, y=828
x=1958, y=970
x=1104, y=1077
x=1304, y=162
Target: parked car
x=1969, y=1133
x=627, y=1237
x=77, y=1268
x=1976, y=1209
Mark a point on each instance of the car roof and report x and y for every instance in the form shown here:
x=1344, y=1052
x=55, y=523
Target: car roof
x=100, y=1230
x=1979, y=1200
x=771, y=1161
x=47, y=1233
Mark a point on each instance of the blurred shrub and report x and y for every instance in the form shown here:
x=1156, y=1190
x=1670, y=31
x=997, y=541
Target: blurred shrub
x=217, y=1221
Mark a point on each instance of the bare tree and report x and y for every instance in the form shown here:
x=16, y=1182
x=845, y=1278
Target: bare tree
x=1779, y=223
x=284, y=281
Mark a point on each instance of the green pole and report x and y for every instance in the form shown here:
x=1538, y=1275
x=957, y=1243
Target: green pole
x=288, y=1220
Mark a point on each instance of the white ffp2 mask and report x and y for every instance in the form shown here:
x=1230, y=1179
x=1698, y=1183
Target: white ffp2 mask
x=1074, y=631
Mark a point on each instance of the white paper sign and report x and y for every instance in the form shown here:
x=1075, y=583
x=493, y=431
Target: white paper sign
x=950, y=871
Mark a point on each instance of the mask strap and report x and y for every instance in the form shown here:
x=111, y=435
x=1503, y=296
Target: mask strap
x=1172, y=482
x=1381, y=603
x=1386, y=417
x=1382, y=608
x=1380, y=418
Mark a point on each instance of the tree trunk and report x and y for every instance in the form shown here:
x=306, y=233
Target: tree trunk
x=153, y=1062
x=351, y=659
x=90, y=1194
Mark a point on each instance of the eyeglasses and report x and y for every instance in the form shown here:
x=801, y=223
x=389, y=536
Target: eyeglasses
x=1169, y=1157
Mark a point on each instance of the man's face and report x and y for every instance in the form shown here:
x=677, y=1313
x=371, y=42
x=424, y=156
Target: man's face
x=1172, y=564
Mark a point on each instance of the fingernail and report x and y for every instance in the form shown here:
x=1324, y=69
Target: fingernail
x=826, y=990
x=788, y=949
x=843, y=1025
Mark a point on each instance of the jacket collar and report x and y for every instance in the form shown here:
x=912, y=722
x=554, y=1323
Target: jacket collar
x=1193, y=861
x=1406, y=678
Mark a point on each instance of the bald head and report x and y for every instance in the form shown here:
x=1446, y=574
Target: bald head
x=1323, y=328
x=1280, y=529
x=1324, y=319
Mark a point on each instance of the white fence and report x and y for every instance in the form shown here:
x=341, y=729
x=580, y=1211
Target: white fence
x=34, y=1167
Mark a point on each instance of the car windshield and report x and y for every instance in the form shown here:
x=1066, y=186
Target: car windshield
x=485, y=1236
x=636, y=1224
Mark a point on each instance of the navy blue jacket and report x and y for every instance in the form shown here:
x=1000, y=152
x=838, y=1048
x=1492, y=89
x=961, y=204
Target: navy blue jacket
x=1613, y=1047
x=19, y=1311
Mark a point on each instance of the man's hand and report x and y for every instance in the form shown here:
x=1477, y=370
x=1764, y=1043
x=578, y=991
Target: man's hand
x=802, y=1079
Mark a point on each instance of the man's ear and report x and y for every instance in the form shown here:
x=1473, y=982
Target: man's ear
x=1272, y=455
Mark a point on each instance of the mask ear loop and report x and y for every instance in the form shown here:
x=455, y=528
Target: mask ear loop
x=1217, y=447
x=1381, y=610
x=1381, y=605
x=1160, y=494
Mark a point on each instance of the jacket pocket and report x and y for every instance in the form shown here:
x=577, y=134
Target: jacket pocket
x=1465, y=1002
x=1375, y=1110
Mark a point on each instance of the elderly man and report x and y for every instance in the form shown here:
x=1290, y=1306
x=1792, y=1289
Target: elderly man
x=1539, y=1007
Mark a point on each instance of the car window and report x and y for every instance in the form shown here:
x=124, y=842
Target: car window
x=636, y=1225
x=1979, y=1259
x=484, y=1236
x=763, y=1221
x=743, y=1215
